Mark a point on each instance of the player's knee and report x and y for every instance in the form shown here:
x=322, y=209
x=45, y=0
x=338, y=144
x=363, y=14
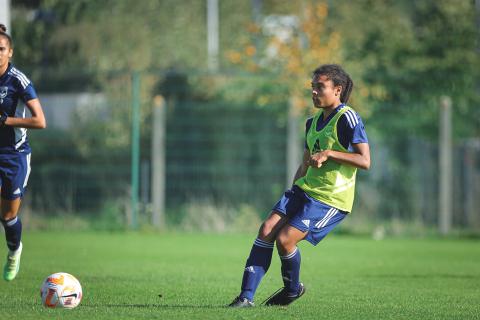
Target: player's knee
x=266, y=231
x=8, y=213
x=284, y=243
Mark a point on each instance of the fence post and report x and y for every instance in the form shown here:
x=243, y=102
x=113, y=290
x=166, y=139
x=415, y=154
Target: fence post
x=158, y=162
x=5, y=14
x=471, y=185
x=212, y=34
x=294, y=151
x=445, y=165
x=135, y=147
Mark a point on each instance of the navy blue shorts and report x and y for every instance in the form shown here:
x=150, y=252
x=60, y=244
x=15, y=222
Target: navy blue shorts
x=308, y=215
x=14, y=172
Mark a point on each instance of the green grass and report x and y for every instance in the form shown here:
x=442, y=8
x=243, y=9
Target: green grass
x=197, y=274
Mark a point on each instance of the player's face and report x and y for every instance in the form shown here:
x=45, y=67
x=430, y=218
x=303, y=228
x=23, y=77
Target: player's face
x=5, y=53
x=324, y=93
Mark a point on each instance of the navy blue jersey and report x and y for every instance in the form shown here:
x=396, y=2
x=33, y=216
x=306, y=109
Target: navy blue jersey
x=350, y=128
x=14, y=86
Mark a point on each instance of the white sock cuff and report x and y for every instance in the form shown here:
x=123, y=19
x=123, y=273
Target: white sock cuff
x=10, y=223
x=290, y=255
x=260, y=243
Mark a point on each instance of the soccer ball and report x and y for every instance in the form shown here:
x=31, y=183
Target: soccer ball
x=61, y=290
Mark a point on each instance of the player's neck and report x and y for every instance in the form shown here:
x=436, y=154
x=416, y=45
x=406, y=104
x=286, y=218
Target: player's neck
x=4, y=68
x=327, y=111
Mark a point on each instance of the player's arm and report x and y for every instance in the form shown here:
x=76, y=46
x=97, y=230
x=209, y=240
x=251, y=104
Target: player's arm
x=302, y=169
x=360, y=157
x=36, y=121
x=350, y=132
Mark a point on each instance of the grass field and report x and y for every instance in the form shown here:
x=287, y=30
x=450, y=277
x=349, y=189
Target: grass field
x=123, y=274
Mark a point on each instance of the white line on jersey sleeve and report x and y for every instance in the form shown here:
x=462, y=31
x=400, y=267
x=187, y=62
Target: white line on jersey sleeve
x=20, y=76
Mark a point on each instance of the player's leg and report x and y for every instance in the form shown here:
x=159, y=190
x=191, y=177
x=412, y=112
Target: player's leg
x=260, y=256
x=312, y=223
x=13, y=234
x=290, y=257
x=14, y=176
x=11, y=222
x=259, y=259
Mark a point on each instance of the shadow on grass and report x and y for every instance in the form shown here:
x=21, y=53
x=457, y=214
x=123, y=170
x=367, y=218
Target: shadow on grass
x=128, y=305
x=424, y=276
x=152, y=306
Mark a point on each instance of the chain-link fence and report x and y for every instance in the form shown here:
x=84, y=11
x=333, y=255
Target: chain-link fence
x=217, y=152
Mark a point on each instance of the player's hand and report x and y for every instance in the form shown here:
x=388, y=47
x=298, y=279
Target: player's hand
x=317, y=159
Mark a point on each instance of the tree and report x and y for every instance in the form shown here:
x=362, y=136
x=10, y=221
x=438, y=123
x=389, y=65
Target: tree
x=412, y=53
x=292, y=46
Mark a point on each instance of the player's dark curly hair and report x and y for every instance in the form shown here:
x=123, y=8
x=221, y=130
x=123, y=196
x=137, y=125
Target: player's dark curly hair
x=3, y=32
x=339, y=78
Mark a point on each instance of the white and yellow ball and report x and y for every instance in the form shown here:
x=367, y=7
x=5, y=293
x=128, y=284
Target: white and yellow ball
x=61, y=290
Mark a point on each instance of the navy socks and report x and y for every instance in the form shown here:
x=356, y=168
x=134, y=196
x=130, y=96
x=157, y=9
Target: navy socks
x=291, y=271
x=13, y=232
x=257, y=265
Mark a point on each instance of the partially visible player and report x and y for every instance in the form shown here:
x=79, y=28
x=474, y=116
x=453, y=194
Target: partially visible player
x=14, y=148
x=322, y=193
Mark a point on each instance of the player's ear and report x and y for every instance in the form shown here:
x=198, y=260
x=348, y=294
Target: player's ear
x=10, y=53
x=338, y=90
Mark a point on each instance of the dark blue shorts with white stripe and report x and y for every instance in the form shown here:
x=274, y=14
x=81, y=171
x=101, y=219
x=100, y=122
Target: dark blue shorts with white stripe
x=308, y=215
x=14, y=172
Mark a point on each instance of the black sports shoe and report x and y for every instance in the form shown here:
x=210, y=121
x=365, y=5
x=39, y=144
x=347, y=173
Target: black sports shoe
x=241, y=303
x=282, y=298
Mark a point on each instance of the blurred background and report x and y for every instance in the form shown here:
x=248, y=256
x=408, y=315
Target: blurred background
x=189, y=115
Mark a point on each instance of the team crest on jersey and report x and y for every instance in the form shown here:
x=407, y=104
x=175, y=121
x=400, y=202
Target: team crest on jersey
x=3, y=93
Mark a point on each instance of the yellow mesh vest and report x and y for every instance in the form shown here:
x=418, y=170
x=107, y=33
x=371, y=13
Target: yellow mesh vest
x=333, y=183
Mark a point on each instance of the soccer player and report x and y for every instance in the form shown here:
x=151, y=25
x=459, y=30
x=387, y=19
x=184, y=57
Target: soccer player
x=14, y=148
x=323, y=190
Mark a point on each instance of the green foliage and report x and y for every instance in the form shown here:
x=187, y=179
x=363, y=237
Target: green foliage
x=75, y=177
x=116, y=35
x=207, y=216
x=238, y=158
x=406, y=56
x=402, y=55
x=414, y=53
x=111, y=217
